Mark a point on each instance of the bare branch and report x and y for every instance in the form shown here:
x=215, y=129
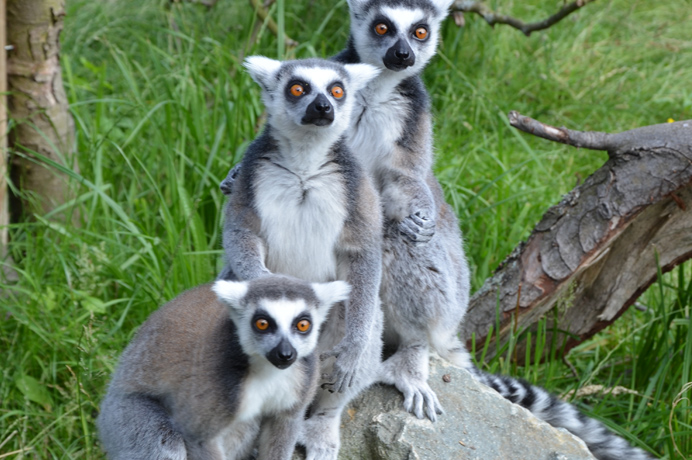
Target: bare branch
x=588, y=140
x=492, y=18
x=263, y=14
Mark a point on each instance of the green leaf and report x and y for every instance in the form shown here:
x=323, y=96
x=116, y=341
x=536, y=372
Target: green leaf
x=33, y=390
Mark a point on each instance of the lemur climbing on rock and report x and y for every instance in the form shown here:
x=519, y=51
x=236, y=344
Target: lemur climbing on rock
x=425, y=284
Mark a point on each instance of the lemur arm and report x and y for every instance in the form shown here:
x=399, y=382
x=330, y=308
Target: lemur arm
x=404, y=181
x=360, y=256
x=243, y=247
x=408, y=201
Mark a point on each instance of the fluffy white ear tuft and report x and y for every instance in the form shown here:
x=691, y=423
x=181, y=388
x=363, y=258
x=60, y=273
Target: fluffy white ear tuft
x=230, y=292
x=331, y=293
x=442, y=6
x=360, y=74
x=262, y=70
x=356, y=5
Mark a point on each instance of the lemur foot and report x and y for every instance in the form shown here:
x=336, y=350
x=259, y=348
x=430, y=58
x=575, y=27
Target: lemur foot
x=420, y=399
x=418, y=228
x=319, y=438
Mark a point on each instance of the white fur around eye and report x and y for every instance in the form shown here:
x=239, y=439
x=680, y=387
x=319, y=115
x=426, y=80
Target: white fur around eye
x=404, y=18
x=318, y=78
x=283, y=312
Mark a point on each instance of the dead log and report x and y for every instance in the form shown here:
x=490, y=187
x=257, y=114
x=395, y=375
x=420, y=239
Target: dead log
x=593, y=254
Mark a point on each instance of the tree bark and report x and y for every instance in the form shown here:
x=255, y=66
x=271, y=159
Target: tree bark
x=4, y=209
x=38, y=104
x=7, y=271
x=594, y=253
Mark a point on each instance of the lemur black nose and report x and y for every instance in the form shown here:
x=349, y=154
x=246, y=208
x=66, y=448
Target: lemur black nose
x=320, y=112
x=399, y=56
x=286, y=355
x=323, y=105
x=282, y=355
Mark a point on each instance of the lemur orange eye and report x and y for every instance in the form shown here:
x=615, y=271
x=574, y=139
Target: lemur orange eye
x=381, y=28
x=303, y=325
x=337, y=92
x=297, y=90
x=421, y=33
x=262, y=324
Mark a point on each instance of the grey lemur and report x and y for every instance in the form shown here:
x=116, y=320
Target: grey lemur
x=214, y=367
x=301, y=205
x=425, y=285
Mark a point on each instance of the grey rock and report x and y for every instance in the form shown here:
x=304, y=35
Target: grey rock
x=477, y=424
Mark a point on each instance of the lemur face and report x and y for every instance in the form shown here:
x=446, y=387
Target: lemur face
x=398, y=35
x=310, y=95
x=277, y=317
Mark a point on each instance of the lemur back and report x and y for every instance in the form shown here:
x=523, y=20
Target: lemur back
x=301, y=205
x=425, y=283
x=212, y=368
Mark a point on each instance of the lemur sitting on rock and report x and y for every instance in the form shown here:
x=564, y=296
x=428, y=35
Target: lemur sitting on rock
x=425, y=283
x=214, y=367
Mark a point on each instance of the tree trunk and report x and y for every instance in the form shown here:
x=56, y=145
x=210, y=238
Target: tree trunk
x=37, y=103
x=595, y=252
x=4, y=210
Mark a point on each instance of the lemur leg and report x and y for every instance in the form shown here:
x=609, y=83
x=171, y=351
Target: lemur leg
x=138, y=427
x=320, y=431
x=424, y=296
x=278, y=436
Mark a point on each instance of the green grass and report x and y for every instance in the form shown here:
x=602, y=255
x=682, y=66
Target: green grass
x=163, y=109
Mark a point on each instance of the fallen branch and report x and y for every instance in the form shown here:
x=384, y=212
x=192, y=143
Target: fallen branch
x=593, y=254
x=492, y=18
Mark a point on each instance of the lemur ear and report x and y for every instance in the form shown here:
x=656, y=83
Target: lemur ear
x=262, y=70
x=329, y=294
x=360, y=74
x=356, y=5
x=442, y=6
x=230, y=292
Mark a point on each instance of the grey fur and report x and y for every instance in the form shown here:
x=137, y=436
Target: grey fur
x=301, y=205
x=184, y=386
x=425, y=284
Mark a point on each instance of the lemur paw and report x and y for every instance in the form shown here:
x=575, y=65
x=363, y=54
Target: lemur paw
x=226, y=185
x=420, y=399
x=320, y=436
x=418, y=228
x=344, y=369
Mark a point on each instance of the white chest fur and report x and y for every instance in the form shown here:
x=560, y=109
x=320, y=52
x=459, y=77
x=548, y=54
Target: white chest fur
x=302, y=216
x=376, y=129
x=269, y=390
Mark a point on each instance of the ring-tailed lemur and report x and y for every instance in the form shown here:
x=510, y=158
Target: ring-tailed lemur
x=206, y=373
x=425, y=284
x=302, y=206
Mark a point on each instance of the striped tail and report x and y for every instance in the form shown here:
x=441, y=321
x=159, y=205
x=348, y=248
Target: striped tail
x=602, y=443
